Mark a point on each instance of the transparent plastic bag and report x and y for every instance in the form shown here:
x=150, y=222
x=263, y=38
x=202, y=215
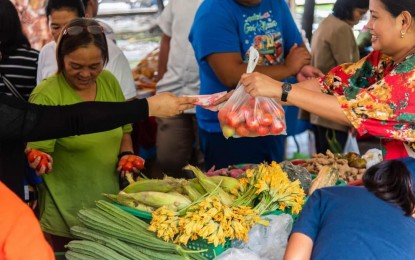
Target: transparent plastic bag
x=268, y=242
x=246, y=116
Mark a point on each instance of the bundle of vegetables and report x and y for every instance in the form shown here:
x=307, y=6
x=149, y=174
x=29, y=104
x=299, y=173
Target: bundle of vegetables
x=267, y=188
x=175, y=194
x=111, y=233
x=150, y=194
x=210, y=219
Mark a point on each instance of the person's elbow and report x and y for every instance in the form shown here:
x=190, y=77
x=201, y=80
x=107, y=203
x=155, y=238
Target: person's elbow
x=228, y=81
x=299, y=247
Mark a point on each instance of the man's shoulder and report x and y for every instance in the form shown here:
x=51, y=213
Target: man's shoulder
x=113, y=49
x=49, y=47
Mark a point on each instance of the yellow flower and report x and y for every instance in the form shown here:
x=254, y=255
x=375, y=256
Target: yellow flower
x=182, y=239
x=261, y=186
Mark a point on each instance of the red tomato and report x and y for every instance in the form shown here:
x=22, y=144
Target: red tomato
x=222, y=115
x=44, y=161
x=266, y=119
x=277, y=127
x=234, y=119
x=31, y=156
x=242, y=131
x=127, y=167
x=265, y=106
x=252, y=124
x=279, y=111
x=262, y=130
x=128, y=162
x=244, y=111
x=252, y=102
x=139, y=163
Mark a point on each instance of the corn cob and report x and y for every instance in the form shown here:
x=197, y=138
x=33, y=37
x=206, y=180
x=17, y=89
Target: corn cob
x=94, y=249
x=164, y=185
x=111, y=242
x=196, y=185
x=125, y=200
x=228, y=184
x=191, y=192
x=209, y=185
x=157, y=199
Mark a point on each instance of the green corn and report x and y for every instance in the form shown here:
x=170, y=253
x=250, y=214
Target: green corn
x=165, y=185
x=228, y=184
x=210, y=186
x=191, y=192
x=174, y=201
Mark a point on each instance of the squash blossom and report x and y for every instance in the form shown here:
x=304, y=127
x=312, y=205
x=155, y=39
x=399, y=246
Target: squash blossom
x=267, y=188
x=210, y=220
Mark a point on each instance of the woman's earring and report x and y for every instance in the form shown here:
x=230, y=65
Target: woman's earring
x=402, y=34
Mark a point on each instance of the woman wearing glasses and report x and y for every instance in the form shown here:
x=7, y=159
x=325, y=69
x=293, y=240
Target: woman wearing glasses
x=83, y=166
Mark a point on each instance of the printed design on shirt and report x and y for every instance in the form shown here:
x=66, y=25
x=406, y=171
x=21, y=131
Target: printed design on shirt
x=377, y=96
x=266, y=37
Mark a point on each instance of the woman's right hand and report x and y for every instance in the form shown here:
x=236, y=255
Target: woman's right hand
x=39, y=161
x=167, y=104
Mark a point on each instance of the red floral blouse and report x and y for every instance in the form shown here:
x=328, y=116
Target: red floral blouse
x=378, y=97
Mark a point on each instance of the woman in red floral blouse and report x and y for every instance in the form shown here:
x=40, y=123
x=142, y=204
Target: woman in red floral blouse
x=376, y=95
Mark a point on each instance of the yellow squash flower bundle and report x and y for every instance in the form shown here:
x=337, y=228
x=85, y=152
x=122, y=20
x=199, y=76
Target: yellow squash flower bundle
x=269, y=188
x=210, y=219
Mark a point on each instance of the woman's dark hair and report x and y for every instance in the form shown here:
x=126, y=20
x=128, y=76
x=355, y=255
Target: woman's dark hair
x=73, y=5
x=11, y=32
x=343, y=9
x=392, y=182
x=69, y=43
x=397, y=7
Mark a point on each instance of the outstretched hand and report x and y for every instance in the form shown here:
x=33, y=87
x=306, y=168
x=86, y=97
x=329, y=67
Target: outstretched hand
x=167, y=104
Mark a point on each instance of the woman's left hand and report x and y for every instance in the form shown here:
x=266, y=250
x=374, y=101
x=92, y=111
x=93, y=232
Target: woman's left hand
x=309, y=72
x=260, y=85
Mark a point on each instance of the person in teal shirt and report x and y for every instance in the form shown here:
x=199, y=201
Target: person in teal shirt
x=83, y=166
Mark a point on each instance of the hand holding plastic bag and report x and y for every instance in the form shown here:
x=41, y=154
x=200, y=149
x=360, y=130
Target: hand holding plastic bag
x=246, y=116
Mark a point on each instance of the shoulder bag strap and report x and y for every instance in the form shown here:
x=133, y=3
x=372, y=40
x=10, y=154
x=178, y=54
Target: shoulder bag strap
x=11, y=87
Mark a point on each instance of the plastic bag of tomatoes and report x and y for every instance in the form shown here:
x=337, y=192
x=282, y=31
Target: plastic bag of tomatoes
x=245, y=116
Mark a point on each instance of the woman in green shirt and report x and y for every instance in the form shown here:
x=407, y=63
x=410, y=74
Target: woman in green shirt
x=83, y=166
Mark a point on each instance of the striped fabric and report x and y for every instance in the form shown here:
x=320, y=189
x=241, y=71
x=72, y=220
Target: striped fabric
x=20, y=69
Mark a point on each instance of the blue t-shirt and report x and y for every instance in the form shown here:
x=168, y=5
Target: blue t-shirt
x=226, y=26
x=352, y=223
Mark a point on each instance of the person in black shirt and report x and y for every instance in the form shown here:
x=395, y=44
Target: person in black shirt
x=18, y=61
x=21, y=122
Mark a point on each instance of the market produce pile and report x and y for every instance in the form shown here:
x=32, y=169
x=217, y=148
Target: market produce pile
x=351, y=166
x=211, y=209
x=216, y=208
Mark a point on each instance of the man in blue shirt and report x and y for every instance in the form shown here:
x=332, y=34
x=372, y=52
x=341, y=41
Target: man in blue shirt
x=222, y=33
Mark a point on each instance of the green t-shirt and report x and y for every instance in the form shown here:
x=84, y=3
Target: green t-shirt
x=83, y=166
